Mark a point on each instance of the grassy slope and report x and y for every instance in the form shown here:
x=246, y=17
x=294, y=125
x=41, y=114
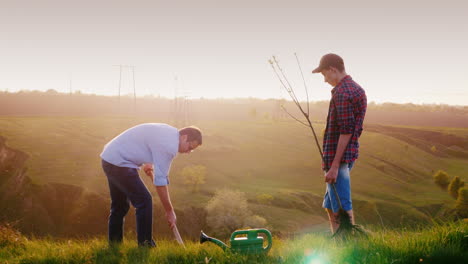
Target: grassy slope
x=255, y=157
x=439, y=244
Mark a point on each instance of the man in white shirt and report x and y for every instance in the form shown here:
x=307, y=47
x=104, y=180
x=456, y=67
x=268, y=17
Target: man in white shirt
x=151, y=146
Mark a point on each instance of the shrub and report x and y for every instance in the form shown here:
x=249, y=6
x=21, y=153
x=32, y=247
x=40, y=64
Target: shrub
x=10, y=237
x=454, y=186
x=255, y=221
x=462, y=203
x=228, y=210
x=441, y=178
x=253, y=112
x=194, y=175
x=264, y=198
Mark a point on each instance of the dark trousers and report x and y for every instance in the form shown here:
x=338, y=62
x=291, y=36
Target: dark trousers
x=126, y=187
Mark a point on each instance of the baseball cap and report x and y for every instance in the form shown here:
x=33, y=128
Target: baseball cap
x=328, y=60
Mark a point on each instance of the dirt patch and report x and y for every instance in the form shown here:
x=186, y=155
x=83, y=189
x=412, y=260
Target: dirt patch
x=437, y=143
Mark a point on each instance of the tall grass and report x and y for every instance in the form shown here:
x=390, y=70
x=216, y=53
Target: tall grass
x=439, y=244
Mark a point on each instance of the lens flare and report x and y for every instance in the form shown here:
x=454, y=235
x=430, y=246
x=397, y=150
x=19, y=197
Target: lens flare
x=313, y=257
x=314, y=260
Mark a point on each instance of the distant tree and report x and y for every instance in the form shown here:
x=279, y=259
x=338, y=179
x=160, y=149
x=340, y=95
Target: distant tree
x=194, y=176
x=454, y=186
x=51, y=91
x=433, y=149
x=228, y=210
x=253, y=112
x=462, y=203
x=264, y=198
x=441, y=178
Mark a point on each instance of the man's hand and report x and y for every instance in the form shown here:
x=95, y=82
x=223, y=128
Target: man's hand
x=149, y=170
x=171, y=219
x=331, y=175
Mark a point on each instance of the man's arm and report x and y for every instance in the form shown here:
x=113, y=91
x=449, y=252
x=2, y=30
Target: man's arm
x=164, y=197
x=163, y=193
x=332, y=173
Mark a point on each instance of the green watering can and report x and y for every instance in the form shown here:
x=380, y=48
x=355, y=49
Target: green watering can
x=248, y=242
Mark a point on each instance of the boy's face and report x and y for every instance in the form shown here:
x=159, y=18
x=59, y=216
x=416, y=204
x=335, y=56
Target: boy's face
x=330, y=76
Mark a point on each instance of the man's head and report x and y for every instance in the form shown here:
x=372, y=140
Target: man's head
x=189, y=139
x=332, y=68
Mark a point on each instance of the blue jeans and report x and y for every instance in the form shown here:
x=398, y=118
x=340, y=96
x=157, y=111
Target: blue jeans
x=126, y=187
x=343, y=188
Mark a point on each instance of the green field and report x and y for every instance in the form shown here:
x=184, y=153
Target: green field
x=392, y=180
x=446, y=243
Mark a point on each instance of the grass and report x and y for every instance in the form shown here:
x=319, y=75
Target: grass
x=446, y=243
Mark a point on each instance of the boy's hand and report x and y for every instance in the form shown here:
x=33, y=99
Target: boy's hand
x=331, y=175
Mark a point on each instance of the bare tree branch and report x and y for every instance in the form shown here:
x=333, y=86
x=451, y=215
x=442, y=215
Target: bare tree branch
x=276, y=67
x=274, y=64
x=305, y=85
x=289, y=88
x=293, y=117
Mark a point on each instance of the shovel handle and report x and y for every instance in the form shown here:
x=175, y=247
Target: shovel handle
x=178, y=237
x=337, y=197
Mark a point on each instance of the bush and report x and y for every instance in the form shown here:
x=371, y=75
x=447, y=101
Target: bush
x=264, y=198
x=462, y=203
x=454, y=186
x=255, y=221
x=228, y=210
x=194, y=175
x=253, y=112
x=441, y=178
x=10, y=237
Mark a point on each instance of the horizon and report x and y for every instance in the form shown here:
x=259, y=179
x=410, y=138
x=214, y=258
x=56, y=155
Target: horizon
x=151, y=96
x=399, y=52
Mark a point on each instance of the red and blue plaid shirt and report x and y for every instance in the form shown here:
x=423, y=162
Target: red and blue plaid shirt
x=345, y=116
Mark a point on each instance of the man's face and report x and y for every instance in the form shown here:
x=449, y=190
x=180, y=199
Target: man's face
x=330, y=76
x=186, y=146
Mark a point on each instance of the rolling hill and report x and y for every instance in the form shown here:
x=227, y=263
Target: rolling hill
x=256, y=154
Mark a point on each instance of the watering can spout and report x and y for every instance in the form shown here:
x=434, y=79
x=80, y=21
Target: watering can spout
x=204, y=238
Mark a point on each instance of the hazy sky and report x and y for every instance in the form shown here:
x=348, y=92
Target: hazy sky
x=399, y=51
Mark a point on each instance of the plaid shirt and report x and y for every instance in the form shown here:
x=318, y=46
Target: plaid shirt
x=345, y=116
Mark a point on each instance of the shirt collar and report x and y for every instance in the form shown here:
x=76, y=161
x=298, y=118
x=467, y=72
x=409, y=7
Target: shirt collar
x=346, y=78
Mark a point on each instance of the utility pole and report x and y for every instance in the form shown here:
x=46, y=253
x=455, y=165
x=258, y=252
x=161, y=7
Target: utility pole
x=128, y=68
x=181, y=104
x=70, y=84
x=134, y=90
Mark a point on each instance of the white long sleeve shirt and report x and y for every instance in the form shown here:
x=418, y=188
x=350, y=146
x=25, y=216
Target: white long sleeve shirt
x=146, y=143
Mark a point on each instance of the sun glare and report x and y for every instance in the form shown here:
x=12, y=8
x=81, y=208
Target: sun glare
x=313, y=257
x=315, y=260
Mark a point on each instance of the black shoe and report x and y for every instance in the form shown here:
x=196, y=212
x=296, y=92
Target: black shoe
x=147, y=243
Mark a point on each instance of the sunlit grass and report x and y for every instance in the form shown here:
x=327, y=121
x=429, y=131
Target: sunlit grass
x=439, y=244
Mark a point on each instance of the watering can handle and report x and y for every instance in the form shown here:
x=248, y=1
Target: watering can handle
x=259, y=231
x=268, y=235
